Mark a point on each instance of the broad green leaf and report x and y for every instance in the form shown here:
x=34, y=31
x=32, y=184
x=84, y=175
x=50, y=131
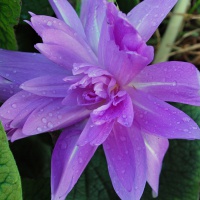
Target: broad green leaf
x=10, y=183
x=9, y=16
x=39, y=7
x=180, y=175
x=95, y=182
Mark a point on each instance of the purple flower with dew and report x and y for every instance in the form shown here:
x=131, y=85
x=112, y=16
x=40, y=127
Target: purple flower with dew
x=92, y=81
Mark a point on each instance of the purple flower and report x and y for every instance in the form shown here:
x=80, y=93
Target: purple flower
x=96, y=86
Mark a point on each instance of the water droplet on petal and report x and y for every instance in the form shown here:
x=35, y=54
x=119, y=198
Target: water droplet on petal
x=44, y=120
x=186, y=119
x=39, y=129
x=14, y=105
x=50, y=125
x=49, y=23
x=174, y=83
x=80, y=160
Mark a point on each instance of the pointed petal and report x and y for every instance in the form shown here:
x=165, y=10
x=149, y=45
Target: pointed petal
x=13, y=106
x=7, y=89
x=92, y=16
x=60, y=55
x=65, y=12
x=19, y=66
x=156, y=148
x=53, y=116
x=48, y=86
x=69, y=42
x=71, y=160
x=16, y=135
x=121, y=57
x=126, y=157
x=170, y=81
x=119, y=109
x=159, y=118
x=147, y=16
x=95, y=134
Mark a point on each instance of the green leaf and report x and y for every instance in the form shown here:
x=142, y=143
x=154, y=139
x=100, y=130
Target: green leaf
x=95, y=182
x=39, y=7
x=180, y=175
x=9, y=16
x=10, y=183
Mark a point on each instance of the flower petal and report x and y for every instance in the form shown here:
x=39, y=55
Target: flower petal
x=122, y=58
x=156, y=148
x=126, y=157
x=71, y=160
x=48, y=86
x=161, y=119
x=13, y=106
x=60, y=55
x=65, y=12
x=53, y=116
x=7, y=89
x=70, y=43
x=19, y=67
x=95, y=134
x=170, y=81
x=92, y=16
x=147, y=16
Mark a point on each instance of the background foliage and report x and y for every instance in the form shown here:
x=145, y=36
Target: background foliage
x=180, y=175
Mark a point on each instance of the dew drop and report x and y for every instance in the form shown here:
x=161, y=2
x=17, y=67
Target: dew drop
x=14, y=105
x=49, y=23
x=153, y=23
x=186, y=119
x=39, y=129
x=185, y=130
x=124, y=116
x=44, y=120
x=174, y=83
x=50, y=125
x=123, y=139
x=80, y=160
x=50, y=114
x=123, y=171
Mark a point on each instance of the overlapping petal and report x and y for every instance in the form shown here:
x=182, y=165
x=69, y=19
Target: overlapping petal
x=48, y=86
x=7, y=89
x=92, y=16
x=95, y=134
x=68, y=162
x=156, y=148
x=65, y=12
x=19, y=67
x=147, y=16
x=161, y=119
x=53, y=116
x=170, y=81
x=117, y=53
x=126, y=158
